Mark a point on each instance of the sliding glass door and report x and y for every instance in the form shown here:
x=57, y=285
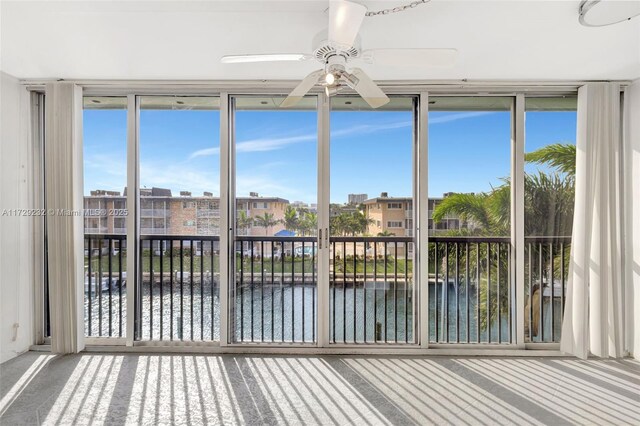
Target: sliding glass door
x=105, y=231
x=549, y=180
x=299, y=226
x=273, y=286
x=471, y=292
x=371, y=221
x=179, y=218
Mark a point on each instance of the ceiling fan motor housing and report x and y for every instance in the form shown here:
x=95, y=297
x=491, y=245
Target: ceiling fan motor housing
x=323, y=49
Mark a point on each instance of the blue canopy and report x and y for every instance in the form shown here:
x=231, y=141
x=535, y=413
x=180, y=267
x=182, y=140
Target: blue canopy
x=285, y=233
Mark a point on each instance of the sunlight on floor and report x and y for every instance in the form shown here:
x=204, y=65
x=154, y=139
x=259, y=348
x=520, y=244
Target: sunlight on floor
x=23, y=381
x=203, y=389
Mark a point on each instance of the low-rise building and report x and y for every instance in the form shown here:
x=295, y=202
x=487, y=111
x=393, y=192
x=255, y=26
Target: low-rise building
x=394, y=215
x=162, y=213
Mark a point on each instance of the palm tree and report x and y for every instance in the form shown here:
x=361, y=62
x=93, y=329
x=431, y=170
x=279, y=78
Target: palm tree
x=308, y=222
x=360, y=222
x=548, y=211
x=548, y=198
x=560, y=156
x=266, y=221
x=243, y=222
x=291, y=220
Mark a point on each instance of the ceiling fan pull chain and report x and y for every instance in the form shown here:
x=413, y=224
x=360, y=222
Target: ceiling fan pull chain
x=397, y=8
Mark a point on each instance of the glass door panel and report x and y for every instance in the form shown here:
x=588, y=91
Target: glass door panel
x=273, y=297
x=178, y=297
x=371, y=276
x=550, y=150
x=105, y=234
x=470, y=294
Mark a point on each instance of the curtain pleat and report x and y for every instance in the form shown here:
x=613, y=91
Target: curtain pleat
x=593, y=318
x=64, y=189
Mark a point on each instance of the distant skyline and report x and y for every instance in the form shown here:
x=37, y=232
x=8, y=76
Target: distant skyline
x=371, y=151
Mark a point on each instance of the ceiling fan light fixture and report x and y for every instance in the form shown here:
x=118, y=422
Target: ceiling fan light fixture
x=330, y=78
x=351, y=80
x=332, y=90
x=600, y=13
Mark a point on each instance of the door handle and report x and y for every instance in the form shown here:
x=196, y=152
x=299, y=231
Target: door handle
x=320, y=239
x=326, y=237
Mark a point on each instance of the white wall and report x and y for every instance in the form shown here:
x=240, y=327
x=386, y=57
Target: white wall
x=16, y=233
x=516, y=40
x=632, y=199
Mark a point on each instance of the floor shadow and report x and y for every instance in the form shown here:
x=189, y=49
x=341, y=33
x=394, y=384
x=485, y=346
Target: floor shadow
x=503, y=393
x=593, y=379
x=252, y=403
x=28, y=404
x=387, y=408
x=120, y=389
x=117, y=411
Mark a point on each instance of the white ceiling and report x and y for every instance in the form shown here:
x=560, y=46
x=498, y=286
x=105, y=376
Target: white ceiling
x=506, y=40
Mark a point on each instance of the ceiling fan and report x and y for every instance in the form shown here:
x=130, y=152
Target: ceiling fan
x=339, y=45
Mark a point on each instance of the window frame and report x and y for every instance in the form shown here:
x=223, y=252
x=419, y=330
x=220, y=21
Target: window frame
x=517, y=166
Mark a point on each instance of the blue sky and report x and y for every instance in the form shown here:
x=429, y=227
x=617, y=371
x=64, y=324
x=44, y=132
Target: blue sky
x=276, y=150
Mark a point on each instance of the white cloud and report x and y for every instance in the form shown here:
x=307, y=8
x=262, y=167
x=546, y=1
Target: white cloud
x=179, y=177
x=272, y=144
x=258, y=145
x=261, y=145
x=458, y=116
x=362, y=129
x=204, y=152
x=105, y=171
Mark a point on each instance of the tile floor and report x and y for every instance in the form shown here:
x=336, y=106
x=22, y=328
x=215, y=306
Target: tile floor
x=115, y=389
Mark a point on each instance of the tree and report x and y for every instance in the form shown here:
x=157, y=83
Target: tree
x=291, y=221
x=359, y=223
x=548, y=198
x=266, y=221
x=549, y=207
x=386, y=234
x=468, y=207
x=560, y=156
x=308, y=222
x=243, y=222
x=349, y=223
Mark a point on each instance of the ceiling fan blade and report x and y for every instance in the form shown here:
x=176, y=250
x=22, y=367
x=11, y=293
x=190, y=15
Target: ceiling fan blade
x=301, y=89
x=345, y=19
x=369, y=91
x=411, y=57
x=272, y=57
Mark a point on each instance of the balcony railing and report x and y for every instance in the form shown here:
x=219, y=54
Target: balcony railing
x=95, y=230
x=470, y=295
x=275, y=290
x=179, y=293
x=208, y=213
x=105, y=280
x=371, y=290
x=547, y=268
x=372, y=298
x=157, y=213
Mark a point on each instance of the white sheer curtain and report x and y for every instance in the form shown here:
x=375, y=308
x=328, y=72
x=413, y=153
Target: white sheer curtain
x=593, y=318
x=64, y=188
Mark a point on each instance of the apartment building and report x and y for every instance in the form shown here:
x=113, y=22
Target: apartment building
x=162, y=213
x=105, y=213
x=256, y=206
x=357, y=198
x=394, y=215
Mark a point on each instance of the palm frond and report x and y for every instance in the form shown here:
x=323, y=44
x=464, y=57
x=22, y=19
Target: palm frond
x=467, y=206
x=561, y=156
